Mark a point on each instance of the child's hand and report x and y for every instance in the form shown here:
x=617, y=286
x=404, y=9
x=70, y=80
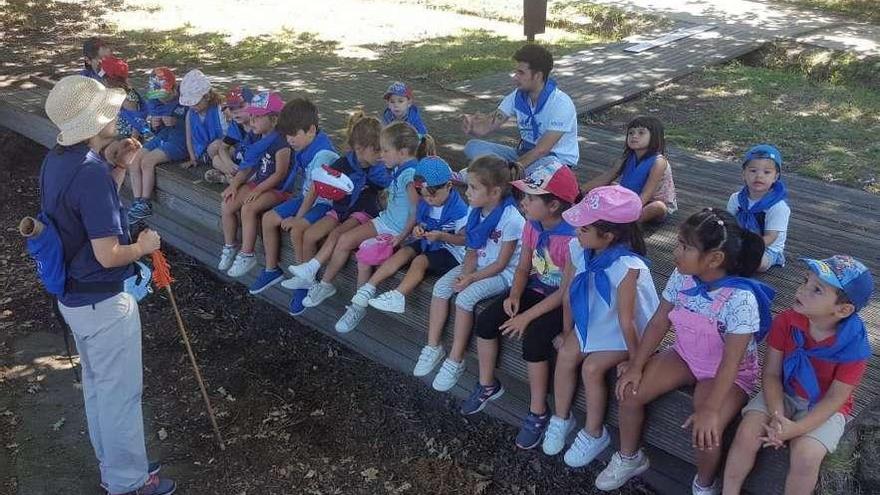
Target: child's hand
x=771, y=437
x=516, y=326
x=398, y=239
x=148, y=240
x=169, y=121
x=288, y=223
x=558, y=341
x=418, y=232
x=229, y=193
x=155, y=122
x=706, y=432
x=253, y=196
x=433, y=235
x=511, y=306
x=192, y=162
x=622, y=367
x=467, y=123
x=462, y=282
x=628, y=384
x=780, y=430
x=121, y=153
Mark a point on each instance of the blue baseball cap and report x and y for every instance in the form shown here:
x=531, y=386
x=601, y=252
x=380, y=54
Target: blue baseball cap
x=398, y=88
x=847, y=274
x=767, y=151
x=433, y=171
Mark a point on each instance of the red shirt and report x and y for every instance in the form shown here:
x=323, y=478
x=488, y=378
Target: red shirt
x=781, y=338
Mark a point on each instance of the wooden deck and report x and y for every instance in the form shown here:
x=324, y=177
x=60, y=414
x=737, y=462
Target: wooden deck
x=826, y=219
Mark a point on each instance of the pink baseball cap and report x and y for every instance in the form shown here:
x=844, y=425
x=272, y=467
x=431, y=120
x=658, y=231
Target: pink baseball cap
x=264, y=103
x=375, y=250
x=615, y=204
x=553, y=178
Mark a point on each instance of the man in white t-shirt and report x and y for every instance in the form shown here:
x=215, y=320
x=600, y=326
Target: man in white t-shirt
x=546, y=117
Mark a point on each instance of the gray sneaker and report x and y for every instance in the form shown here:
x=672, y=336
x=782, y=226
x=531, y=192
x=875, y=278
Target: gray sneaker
x=349, y=321
x=318, y=293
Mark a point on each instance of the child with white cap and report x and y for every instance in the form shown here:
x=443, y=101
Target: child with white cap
x=205, y=123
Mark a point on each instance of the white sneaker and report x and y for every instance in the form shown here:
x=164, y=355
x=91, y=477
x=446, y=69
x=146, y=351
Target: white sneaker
x=363, y=295
x=448, y=375
x=585, y=448
x=349, y=321
x=227, y=256
x=307, y=270
x=428, y=360
x=296, y=283
x=391, y=301
x=556, y=434
x=318, y=293
x=713, y=489
x=242, y=265
x=621, y=470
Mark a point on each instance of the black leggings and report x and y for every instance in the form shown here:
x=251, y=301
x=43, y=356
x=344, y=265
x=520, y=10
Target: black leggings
x=537, y=341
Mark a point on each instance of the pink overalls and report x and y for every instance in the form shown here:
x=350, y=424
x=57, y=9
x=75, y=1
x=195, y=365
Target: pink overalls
x=699, y=343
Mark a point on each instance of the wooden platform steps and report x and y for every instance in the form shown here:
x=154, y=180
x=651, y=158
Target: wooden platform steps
x=826, y=219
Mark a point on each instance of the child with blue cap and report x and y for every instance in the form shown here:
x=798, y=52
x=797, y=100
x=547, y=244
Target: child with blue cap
x=438, y=244
x=399, y=106
x=817, y=353
x=761, y=205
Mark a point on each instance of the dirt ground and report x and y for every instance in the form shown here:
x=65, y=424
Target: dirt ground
x=301, y=414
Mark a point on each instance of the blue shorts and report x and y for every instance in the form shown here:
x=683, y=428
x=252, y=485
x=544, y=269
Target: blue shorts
x=289, y=208
x=170, y=143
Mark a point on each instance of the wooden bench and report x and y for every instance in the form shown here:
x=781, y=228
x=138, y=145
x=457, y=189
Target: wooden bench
x=826, y=219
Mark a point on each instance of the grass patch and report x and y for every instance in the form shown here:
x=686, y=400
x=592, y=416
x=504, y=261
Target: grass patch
x=819, y=64
x=824, y=130
x=469, y=54
x=860, y=10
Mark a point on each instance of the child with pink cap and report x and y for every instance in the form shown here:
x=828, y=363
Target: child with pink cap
x=609, y=299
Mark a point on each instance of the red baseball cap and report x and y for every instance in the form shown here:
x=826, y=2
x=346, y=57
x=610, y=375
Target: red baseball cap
x=114, y=67
x=553, y=178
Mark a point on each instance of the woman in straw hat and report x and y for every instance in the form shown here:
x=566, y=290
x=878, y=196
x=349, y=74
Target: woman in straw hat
x=79, y=181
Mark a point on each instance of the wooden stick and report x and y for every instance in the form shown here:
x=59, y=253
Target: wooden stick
x=195, y=366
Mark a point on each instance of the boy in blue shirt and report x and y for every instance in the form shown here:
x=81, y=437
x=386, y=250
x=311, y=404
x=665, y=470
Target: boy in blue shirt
x=399, y=106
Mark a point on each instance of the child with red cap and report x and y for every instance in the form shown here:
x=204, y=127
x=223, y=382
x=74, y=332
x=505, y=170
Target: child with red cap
x=132, y=120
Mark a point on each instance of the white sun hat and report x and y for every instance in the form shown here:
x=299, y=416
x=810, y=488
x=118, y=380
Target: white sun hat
x=193, y=87
x=80, y=107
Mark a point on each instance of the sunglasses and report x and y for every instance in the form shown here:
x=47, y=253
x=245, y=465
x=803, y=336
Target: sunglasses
x=429, y=190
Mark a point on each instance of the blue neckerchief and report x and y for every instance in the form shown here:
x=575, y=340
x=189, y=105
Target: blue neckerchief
x=521, y=103
x=302, y=158
x=205, y=131
x=561, y=228
x=254, y=153
x=453, y=209
x=477, y=231
x=745, y=216
x=764, y=294
x=90, y=73
x=635, y=172
x=412, y=117
x=851, y=344
x=579, y=291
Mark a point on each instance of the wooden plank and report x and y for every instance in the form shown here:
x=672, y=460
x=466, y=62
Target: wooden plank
x=36, y=128
x=676, y=35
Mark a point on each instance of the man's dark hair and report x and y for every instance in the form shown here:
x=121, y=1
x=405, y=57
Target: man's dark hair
x=91, y=46
x=298, y=114
x=538, y=58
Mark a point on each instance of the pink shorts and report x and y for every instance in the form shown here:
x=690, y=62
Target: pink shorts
x=281, y=196
x=360, y=216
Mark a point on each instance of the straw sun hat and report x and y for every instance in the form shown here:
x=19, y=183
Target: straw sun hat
x=81, y=107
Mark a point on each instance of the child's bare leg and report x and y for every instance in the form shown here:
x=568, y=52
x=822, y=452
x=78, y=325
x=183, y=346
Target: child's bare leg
x=315, y=233
x=766, y=263
x=487, y=351
x=596, y=388
x=148, y=168
x=654, y=211
x=364, y=272
x=135, y=173
x=437, y=316
x=347, y=243
x=539, y=382
x=297, y=233
x=229, y=216
x=387, y=269
x=663, y=373
x=806, y=459
x=271, y=227
x=464, y=323
x=708, y=460
x=414, y=276
x=250, y=219
x=741, y=457
x=323, y=255
x=568, y=359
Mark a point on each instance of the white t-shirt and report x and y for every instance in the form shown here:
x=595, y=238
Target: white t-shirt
x=604, y=332
x=509, y=228
x=458, y=251
x=558, y=115
x=323, y=157
x=775, y=219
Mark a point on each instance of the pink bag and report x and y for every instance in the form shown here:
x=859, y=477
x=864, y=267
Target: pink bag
x=375, y=250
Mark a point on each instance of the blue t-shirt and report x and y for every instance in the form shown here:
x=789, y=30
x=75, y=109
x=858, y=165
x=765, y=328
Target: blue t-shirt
x=90, y=209
x=263, y=160
x=397, y=211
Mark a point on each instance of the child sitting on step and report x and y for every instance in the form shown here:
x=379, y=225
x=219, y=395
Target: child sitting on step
x=132, y=121
x=260, y=184
x=644, y=169
x=611, y=297
x=817, y=353
x=399, y=107
x=492, y=240
x=718, y=315
x=761, y=205
x=532, y=310
x=205, y=123
x=228, y=153
x=439, y=239
x=166, y=117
